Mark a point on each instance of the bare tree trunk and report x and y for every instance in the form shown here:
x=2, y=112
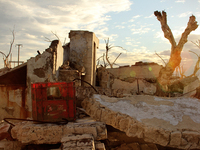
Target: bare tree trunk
x=175, y=57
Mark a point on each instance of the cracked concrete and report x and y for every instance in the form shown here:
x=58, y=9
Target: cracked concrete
x=30, y=133
x=170, y=122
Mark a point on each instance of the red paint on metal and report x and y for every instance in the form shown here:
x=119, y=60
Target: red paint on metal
x=48, y=106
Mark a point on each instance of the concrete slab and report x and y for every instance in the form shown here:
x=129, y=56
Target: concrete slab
x=30, y=133
x=170, y=122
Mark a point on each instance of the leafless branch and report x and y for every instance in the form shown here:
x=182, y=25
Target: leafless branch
x=108, y=48
x=194, y=53
x=47, y=39
x=161, y=58
x=11, y=43
x=116, y=58
x=196, y=68
x=181, y=71
x=3, y=54
x=55, y=35
x=197, y=43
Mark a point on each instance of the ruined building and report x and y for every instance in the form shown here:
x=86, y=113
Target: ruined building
x=121, y=101
x=15, y=84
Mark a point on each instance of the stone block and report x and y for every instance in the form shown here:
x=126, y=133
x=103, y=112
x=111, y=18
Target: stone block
x=191, y=136
x=68, y=129
x=37, y=133
x=100, y=146
x=135, y=129
x=175, y=138
x=189, y=89
x=156, y=135
x=10, y=145
x=74, y=141
x=86, y=130
x=124, y=123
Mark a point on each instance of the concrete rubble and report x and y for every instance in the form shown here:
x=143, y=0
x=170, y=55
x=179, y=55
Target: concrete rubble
x=139, y=78
x=169, y=122
x=119, y=99
x=186, y=86
x=73, y=135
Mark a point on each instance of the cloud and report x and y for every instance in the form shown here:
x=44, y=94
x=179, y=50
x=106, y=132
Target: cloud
x=35, y=19
x=160, y=35
x=134, y=17
x=165, y=52
x=120, y=27
x=142, y=30
x=180, y=1
x=131, y=42
x=186, y=14
x=151, y=16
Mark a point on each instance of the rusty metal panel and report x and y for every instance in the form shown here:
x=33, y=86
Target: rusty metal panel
x=53, y=101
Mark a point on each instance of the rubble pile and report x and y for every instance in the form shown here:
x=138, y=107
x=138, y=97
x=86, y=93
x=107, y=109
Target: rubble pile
x=111, y=108
x=166, y=122
x=82, y=133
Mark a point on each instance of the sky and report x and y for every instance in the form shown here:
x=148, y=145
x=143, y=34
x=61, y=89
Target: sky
x=130, y=24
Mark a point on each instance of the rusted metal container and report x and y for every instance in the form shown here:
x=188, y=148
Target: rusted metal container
x=53, y=101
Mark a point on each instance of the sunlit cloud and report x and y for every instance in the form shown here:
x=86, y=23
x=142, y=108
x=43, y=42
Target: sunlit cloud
x=134, y=17
x=34, y=20
x=151, y=16
x=132, y=42
x=186, y=14
x=180, y=1
x=141, y=30
x=120, y=27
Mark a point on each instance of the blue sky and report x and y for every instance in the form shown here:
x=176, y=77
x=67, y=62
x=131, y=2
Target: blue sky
x=127, y=23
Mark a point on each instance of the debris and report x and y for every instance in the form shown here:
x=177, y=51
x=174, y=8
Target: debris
x=153, y=119
x=4, y=131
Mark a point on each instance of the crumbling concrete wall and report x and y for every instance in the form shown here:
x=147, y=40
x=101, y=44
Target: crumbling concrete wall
x=83, y=46
x=39, y=69
x=139, y=78
x=143, y=70
x=135, y=87
x=44, y=68
x=57, y=52
x=12, y=101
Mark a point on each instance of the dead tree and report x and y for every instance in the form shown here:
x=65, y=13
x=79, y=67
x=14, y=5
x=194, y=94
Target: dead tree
x=181, y=71
x=48, y=40
x=175, y=58
x=108, y=48
x=196, y=68
x=5, y=57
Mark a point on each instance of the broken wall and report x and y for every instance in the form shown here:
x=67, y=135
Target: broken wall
x=83, y=46
x=131, y=80
x=44, y=68
x=12, y=101
x=145, y=71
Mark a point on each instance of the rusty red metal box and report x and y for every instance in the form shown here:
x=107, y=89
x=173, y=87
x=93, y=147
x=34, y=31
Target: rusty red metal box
x=53, y=101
